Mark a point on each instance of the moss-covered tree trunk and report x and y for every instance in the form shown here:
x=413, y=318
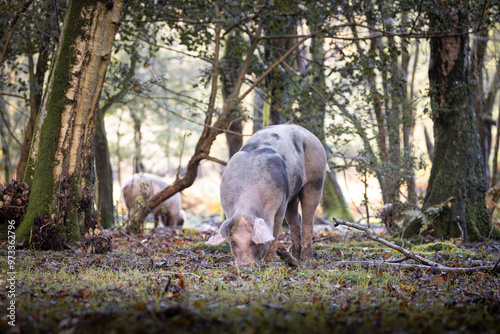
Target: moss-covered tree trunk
x=457, y=170
x=61, y=161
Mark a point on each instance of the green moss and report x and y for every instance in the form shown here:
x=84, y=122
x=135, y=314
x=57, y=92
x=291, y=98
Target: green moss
x=202, y=245
x=443, y=247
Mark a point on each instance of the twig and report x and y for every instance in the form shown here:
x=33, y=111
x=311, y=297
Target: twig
x=168, y=284
x=398, y=260
x=461, y=233
x=221, y=162
x=410, y=266
x=287, y=257
x=428, y=264
x=143, y=245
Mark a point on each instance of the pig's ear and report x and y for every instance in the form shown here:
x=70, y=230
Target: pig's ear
x=222, y=233
x=261, y=233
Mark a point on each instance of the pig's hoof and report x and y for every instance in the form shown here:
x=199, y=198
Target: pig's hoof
x=269, y=258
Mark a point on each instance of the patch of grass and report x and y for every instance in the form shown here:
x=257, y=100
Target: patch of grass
x=175, y=283
x=443, y=247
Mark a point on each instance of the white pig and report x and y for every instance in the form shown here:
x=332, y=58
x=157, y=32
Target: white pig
x=144, y=184
x=262, y=184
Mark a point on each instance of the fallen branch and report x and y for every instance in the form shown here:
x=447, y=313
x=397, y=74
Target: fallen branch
x=382, y=264
x=287, y=257
x=140, y=242
x=427, y=264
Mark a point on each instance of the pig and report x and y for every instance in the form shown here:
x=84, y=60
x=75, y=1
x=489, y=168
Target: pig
x=144, y=184
x=278, y=167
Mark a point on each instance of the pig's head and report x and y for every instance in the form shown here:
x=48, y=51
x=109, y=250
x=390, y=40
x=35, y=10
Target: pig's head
x=249, y=238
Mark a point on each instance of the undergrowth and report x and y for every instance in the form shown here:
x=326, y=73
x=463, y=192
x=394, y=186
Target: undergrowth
x=172, y=282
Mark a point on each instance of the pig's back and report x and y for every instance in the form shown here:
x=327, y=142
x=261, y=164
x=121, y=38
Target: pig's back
x=274, y=159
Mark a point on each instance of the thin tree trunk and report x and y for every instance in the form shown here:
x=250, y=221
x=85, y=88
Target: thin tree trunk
x=137, y=160
x=277, y=80
x=231, y=62
x=7, y=165
x=104, y=173
x=258, y=110
x=102, y=157
x=482, y=117
x=36, y=79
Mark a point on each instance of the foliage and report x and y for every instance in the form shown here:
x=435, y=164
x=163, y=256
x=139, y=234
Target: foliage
x=428, y=216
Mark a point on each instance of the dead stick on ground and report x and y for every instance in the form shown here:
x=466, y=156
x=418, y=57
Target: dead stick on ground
x=369, y=234
x=380, y=264
x=287, y=257
x=143, y=245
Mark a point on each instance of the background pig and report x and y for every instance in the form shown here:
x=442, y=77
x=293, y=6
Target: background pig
x=263, y=183
x=148, y=185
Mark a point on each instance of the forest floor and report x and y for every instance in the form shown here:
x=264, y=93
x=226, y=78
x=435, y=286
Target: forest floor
x=171, y=281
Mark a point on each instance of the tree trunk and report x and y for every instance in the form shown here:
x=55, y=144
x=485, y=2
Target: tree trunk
x=63, y=176
x=334, y=203
x=104, y=173
x=137, y=163
x=457, y=174
x=482, y=115
x=5, y=155
x=233, y=58
x=258, y=110
x=102, y=156
x=277, y=80
x=36, y=93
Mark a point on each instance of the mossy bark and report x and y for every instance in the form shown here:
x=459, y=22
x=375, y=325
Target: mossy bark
x=457, y=171
x=63, y=176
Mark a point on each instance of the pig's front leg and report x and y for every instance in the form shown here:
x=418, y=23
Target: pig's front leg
x=278, y=221
x=294, y=222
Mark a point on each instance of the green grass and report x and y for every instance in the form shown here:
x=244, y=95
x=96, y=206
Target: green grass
x=126, y=291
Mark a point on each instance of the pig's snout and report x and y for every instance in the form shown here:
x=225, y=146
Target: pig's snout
x=249, y=238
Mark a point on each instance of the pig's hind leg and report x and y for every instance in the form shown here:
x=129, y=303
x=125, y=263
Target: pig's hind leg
x=294, y=222
x=310, y=196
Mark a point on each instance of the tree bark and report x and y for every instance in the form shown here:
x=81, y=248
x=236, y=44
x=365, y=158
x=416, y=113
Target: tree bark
x=482, y=115
x=36, y=93
x=137, y=163
x=63, y=176
x=102, y=156
x=277, y=80
x=104, y=173
x=457, y=174
x=233, y=58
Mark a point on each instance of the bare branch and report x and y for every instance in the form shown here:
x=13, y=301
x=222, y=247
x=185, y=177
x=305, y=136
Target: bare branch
x=276, y=64
x=427, y=264
x=8, y=128
x=221, y=162
x=20, y=11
